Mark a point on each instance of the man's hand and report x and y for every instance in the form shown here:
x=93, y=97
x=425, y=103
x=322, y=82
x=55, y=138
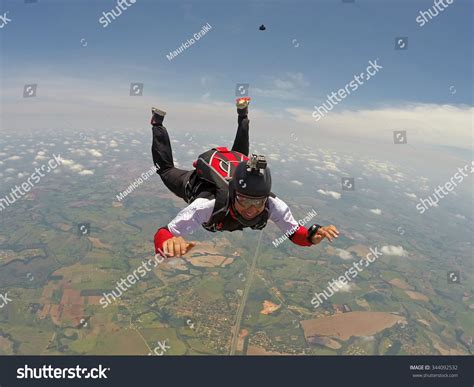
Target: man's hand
x=176, y=246
x=329, y=232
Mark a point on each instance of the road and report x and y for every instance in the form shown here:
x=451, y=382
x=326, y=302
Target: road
x=240, y=310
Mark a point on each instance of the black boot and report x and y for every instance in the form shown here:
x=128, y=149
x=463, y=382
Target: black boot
x=157, y=116
x=242, y=106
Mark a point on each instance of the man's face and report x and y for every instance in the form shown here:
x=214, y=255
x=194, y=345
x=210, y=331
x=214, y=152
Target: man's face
x=249, y=207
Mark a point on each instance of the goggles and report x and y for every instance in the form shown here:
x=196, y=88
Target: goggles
x=248, y=202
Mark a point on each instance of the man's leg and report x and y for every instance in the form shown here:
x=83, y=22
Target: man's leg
x=175, y=179
x=241, y=141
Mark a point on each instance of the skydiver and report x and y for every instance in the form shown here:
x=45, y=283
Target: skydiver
x=226, y=191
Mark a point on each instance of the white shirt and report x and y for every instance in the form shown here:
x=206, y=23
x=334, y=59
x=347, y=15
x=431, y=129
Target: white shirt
x=200, y=210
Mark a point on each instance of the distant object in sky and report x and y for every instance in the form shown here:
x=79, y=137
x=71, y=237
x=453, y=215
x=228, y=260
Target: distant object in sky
x=262, y=28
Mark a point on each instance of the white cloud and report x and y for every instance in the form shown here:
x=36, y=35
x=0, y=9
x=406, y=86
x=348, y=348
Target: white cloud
x=425, y=123
x=67, y=162
x=86, y=172
x=376, y=211
x=79, y=152
x=40, y=156
x=76, y=167
x=291, y=81
x=343, y=287
x=296, y=182
x=333, y=194
x=343, y=254
x=95, y=153
x=330, y=166
x=394, y=250
x=287, y=87
x=411, y=195
x=13, y=158
x=108, y=106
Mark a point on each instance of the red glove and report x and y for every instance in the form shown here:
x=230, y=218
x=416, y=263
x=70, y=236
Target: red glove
x=162, y=235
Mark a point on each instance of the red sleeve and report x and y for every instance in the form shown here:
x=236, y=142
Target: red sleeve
x=300, y=237
x=163, y=234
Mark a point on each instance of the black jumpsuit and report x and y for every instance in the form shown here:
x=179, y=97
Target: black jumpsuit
x=176, y=179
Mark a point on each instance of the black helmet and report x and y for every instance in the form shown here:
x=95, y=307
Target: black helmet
x=251, y=178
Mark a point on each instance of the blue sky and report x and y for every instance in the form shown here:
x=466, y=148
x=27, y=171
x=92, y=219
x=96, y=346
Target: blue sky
x=42, y=44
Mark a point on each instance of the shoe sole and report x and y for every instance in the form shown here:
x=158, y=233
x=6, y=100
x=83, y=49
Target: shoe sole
x=155, y=110
x=242, y=103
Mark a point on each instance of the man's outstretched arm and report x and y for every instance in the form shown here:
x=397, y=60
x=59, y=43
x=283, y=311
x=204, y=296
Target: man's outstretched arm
x=170, y=238
x=281, y=215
